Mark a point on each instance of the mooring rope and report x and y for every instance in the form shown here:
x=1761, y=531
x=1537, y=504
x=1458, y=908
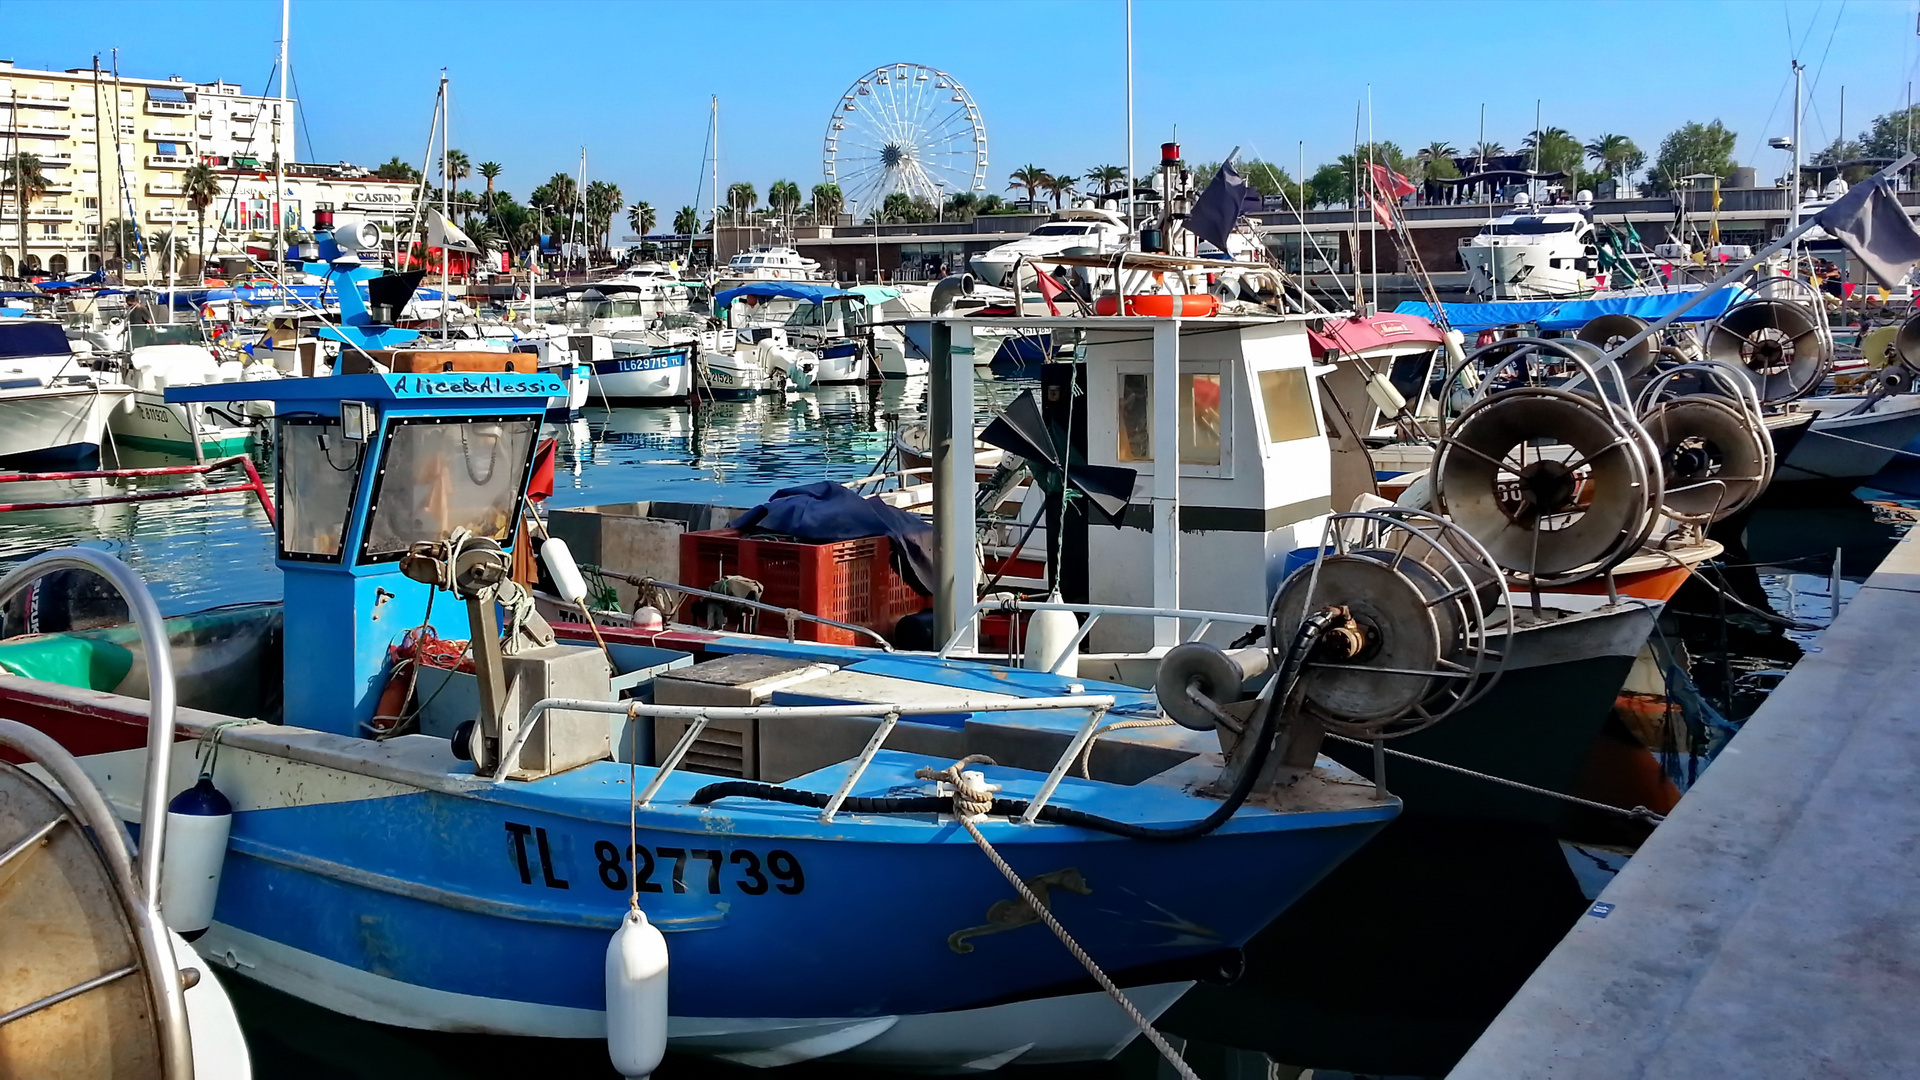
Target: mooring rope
x=972, y=799
x=1638, y=813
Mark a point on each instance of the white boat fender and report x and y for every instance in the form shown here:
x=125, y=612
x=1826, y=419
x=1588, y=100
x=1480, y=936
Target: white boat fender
x=198, y=821
x=1049, y=632
x=648, y=619
x=636, y=996
x=566, y=574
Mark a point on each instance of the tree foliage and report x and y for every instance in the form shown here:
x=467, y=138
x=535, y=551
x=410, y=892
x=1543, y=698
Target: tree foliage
x=1692, y=148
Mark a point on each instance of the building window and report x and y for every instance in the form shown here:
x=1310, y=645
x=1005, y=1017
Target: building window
x=50, y=229
x=91, y=203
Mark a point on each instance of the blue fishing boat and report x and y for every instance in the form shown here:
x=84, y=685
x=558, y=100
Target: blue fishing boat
x=818, y=893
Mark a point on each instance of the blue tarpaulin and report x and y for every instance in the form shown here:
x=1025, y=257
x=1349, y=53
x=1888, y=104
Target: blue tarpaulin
x=826, y=511
x=788, y=290
x=1573, y=314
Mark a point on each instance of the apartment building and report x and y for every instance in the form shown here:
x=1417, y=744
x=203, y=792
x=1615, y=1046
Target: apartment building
x=129, y=166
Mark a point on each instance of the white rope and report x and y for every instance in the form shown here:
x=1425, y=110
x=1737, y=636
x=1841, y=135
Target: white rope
x=1086, y=752
x=1045, y=915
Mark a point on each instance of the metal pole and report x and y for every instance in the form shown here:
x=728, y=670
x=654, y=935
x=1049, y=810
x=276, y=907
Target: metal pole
x=1793, y=181
x=279, y=159
x=1166, y=478
x=713, y=248
x=446, y=204
x=1132, y=226
x=99, y=168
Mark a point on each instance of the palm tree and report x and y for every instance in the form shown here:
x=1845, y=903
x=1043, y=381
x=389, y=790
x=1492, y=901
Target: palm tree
x=201, y=186
x=641, y=219
x=784, y=196
x=686, y=220
x=123, y=243
x=458, y=167
x=395, y=169
x=741, y=199
x=896, y=207
x=28, y=183
x=490, y=171
x=1030, y=177
x=1108, y=177
x=1485, y=150
x=1059, y=185
x=827, y=202
x=1618, y=155
x=603, y=200
x=168, y=248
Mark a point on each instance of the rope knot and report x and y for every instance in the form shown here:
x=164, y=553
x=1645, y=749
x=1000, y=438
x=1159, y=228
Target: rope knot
x=972, y=795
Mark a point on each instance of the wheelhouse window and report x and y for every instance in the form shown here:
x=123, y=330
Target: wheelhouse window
x=1286, y=396
x=1136, y=417
x=441, y=474
x=1201, y=417
x=319, y=470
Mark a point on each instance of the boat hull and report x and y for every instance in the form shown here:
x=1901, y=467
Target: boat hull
x=656, y=377
x=1535, y=726
x=152, y=424
x=49, y=425
x=1842, y=447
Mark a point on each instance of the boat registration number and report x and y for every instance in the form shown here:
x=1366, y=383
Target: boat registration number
x=648, y=363
x=661, y=869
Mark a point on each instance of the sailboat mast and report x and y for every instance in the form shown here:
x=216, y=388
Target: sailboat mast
x=279, y=159
x=1132, y=226
x=580, y=203
x=99, y=167
x=446, y=204
x=713, y=250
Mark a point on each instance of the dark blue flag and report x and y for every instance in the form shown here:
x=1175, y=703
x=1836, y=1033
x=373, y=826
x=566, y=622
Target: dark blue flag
x=1219, y=207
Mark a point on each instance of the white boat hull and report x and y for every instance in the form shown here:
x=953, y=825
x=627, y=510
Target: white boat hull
x=56, y=423
x=1838, y=446
x=660, y=376
x=152, y=424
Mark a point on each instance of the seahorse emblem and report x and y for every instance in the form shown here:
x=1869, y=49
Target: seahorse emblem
x=1013, y=914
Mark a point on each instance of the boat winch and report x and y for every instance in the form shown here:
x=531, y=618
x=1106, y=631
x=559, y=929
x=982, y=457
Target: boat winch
x=1610, y=331
x=1782, y=343
x=1548, y=466
x=1714, y=451
x=1386, y=632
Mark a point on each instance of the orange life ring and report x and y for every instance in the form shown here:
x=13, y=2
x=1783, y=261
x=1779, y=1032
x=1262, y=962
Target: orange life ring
x=1162, y=305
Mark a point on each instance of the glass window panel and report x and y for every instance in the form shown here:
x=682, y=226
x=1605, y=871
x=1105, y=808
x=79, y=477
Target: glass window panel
x=438, y=477
x=1136, y=418
x=1286, y=396
x=1199, y=419
x=318, y=472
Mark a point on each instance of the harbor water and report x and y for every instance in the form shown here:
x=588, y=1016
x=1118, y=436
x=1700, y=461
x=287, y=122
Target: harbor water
x=1390, y=968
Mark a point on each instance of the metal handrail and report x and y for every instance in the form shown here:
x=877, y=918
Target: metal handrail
x=142, y=898
x=1097, y=611
x=254, y=485
x=702, y=715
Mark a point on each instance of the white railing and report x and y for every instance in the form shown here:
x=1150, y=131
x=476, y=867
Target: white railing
x=700, y=716
x=168, y=161
x=1095, y=612
x=170, y=107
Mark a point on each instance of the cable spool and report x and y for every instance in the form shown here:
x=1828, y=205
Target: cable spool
x=1417, y=593
x=1906, y=343
x=1715, y=452
x=1608, y=331
x=1781, y=344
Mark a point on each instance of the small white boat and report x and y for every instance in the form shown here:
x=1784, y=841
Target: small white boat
x=1532, y=253
x=52, y=407
x=1852, y=436
x=1079, y=230
x=633, y=372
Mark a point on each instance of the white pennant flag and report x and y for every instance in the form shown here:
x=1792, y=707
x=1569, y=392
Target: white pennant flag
x=442, y=233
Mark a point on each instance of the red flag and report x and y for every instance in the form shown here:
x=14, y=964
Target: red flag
x=1049, y=289
x=1381, y=212
x=540, y=485
x=1390, y=183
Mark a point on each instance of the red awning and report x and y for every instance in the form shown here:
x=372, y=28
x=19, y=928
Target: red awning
x=1351, y=336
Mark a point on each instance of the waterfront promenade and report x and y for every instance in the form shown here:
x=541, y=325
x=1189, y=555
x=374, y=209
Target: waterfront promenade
x=1771, y=926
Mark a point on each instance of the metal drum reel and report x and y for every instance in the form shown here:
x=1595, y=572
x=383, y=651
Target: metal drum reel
x=1558, y=485
x=1715, y=453
x=1608, y=331
x=1415, y=595
x=1783, y=345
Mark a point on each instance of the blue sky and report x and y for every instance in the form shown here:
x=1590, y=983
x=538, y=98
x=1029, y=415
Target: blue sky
x=534, y=82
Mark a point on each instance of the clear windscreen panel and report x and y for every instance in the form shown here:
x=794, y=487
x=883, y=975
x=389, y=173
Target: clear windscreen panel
x=447, y=475
x=319, y=470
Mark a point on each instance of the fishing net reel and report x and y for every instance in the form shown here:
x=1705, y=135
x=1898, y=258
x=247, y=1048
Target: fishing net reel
x=1715, y=453
x=1779, y=338
x=1548, y=467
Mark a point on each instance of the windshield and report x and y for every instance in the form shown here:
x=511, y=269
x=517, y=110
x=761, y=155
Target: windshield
x=1062, y=230
x=319, y=469
x=160, y=334
x=1530, y=226
x=439, y=476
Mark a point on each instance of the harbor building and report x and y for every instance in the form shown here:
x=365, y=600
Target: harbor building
x=156, y=129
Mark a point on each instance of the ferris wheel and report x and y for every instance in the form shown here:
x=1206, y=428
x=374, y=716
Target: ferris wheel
x=904, y=128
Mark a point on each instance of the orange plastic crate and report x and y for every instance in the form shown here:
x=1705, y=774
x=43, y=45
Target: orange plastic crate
x=851, y=581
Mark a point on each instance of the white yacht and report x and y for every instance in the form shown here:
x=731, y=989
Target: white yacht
x=1532, y=253
x=767, y=264
x=1079, y=230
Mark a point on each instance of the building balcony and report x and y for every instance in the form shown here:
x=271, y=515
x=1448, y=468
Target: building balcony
x=45, y=101
x=57, y=160
x=165, y=135
x=169, y=161
x=35, y=128
x=165, y=189
x=47, y=213
x=169, y=108
x=170, y=217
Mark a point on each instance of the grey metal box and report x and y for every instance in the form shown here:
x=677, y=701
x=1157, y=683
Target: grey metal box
x=562, y=739
x=726, y=747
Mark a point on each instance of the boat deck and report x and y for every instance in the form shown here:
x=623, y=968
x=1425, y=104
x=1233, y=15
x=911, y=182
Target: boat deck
x=1768, y=928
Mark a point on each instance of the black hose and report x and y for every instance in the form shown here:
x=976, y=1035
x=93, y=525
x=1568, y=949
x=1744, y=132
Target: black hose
x=1304, y=640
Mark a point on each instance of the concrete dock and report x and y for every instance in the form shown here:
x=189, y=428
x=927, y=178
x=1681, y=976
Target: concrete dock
x=1771, y=926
